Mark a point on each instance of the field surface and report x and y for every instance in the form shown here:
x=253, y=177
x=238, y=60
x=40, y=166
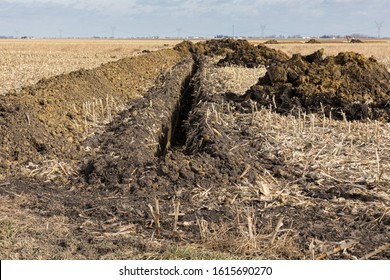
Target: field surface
x=25, y=62
x=121, y=149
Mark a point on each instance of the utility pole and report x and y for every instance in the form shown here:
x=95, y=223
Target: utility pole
x=379, y=27
x=113, y=29
x=178, y=30
x=233, y=31
x=262, y=30
x=60, y=33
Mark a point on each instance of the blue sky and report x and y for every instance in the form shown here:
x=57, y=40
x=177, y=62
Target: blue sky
x=132, y=18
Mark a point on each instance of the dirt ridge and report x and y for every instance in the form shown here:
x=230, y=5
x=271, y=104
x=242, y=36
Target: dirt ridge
x=142, y=132
x=49, y=120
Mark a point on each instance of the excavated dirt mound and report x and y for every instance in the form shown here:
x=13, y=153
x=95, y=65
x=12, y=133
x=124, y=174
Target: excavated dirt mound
x=236, y=52
x=253, y=56
x=313, y=41
x=347, y=84
x=140, y=133
x=183, y=164
x=273, y=41
x=50, y=119
x=211, y=47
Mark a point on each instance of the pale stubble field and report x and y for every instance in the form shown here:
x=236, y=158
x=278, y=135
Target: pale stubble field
x=25, y=62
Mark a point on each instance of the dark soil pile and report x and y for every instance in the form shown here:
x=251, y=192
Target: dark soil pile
x=347, y=84
x=356, y=41
x=253, y=56
x=211, y=47
x=237, y=52
x=313, y=41
x=273, y=41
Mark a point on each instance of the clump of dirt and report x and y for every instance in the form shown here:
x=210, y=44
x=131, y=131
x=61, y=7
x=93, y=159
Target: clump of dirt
x=251, y=56
x=236, y=52
x=49, y=120
x=313, y=41
x=211, y=47
x=347, y=83
x=186, y=47
x=273, y=41
x=356, y=41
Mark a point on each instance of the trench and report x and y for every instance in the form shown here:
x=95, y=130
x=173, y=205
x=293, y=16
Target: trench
x=174, y=133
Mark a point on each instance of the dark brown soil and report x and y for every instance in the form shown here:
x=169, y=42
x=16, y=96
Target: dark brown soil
x=313, y=41
x=273, y=41
x=182, y=143
x=140, y=133
x=211, y=47
x=347, y=84
x=253, y=56
x=236, y=52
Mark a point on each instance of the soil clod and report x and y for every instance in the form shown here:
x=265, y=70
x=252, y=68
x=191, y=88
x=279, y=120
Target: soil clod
x=347, y=85
x=236, y=52
x=272, y=41
x=313, y=41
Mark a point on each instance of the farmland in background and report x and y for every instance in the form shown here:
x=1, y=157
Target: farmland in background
x=25, y=62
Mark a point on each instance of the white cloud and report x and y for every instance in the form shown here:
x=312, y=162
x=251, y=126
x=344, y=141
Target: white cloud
x=224, y=7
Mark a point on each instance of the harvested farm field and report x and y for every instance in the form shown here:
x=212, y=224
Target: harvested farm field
x=25, y=62
x=219, y=149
